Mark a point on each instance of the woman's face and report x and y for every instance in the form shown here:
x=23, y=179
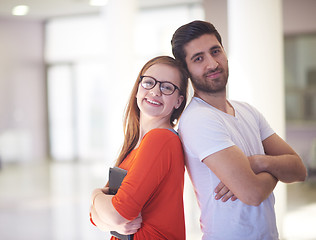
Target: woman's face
x=153, y=103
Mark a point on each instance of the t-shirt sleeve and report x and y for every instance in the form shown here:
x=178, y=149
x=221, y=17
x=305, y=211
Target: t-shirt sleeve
x=265, y=128
x=151, y=164
x=203, y=134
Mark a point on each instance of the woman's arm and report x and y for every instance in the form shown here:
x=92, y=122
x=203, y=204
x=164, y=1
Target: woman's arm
x=105, y=216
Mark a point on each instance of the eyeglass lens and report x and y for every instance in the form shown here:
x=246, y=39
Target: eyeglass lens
x=166, y=88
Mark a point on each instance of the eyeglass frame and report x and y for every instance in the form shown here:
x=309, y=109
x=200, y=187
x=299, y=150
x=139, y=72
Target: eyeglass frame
x=160, y=82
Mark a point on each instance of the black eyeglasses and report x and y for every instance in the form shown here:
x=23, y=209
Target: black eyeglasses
x=166, y=88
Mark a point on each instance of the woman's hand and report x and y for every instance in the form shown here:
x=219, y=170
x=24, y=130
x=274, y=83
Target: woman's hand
x=129, y=227
x=125, y=227
x=97, y=191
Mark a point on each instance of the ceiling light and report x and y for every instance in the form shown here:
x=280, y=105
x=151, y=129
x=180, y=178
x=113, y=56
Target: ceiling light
x=98, y=2
x=20, y=10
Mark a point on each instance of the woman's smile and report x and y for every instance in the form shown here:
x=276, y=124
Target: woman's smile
x=153, y=102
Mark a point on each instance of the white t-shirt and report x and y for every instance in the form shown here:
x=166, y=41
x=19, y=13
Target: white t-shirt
x=205, y=130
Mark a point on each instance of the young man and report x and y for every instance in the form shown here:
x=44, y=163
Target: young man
x=229, y=146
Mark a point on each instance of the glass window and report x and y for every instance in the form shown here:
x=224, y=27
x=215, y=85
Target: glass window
x=300, y=95
x=81, y=105
x=300, y=78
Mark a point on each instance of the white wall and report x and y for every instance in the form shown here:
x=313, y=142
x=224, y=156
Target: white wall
x=23, y=132
x=22, y=91
x=299, y=16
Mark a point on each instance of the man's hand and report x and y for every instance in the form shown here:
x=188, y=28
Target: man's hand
x=256, y=163
x=222, y=192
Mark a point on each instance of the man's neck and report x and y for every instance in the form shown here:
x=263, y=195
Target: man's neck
x=217, y=100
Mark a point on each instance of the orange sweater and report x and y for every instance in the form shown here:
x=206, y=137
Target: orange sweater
x=154, y=187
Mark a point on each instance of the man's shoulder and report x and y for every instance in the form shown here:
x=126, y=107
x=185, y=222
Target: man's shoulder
x=244, y=108
x=196, y=107
x=242, y=104
x=199, y=121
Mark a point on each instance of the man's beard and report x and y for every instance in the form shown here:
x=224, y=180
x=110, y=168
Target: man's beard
x=209, y=86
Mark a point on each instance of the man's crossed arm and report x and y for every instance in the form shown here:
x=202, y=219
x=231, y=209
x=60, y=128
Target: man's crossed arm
x=252, y=179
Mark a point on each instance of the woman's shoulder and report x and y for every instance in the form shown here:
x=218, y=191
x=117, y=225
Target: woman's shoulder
x=161, y=132
x=161, y=136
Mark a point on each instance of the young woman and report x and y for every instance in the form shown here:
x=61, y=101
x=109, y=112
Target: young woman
x=149, y=203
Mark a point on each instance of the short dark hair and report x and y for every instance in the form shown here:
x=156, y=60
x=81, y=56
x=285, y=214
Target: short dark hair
x=189, y=32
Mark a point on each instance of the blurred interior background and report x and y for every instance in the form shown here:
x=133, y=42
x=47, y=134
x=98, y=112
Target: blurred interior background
x=66, y=71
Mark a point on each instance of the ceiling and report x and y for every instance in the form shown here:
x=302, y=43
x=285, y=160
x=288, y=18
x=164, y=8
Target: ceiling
x=45, y=9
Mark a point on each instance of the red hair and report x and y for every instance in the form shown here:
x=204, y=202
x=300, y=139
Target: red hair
x=132, y=114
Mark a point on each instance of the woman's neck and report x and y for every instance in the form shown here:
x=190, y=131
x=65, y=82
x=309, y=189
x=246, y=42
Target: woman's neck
x=148, y=124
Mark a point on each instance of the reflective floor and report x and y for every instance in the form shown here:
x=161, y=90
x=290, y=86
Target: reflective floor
x=300, y=220
x=51, y=201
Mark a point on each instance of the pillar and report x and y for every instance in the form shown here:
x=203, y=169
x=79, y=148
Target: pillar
x=119, y=18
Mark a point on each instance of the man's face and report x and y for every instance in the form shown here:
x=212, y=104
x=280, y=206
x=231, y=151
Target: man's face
x=207, y=63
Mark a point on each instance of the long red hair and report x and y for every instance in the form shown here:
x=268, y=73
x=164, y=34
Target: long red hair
x=131, y=117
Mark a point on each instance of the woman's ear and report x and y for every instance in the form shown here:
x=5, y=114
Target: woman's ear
x=179, y=101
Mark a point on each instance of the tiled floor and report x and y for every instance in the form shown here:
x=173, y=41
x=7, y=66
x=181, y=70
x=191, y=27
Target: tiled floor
x=51, y=201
